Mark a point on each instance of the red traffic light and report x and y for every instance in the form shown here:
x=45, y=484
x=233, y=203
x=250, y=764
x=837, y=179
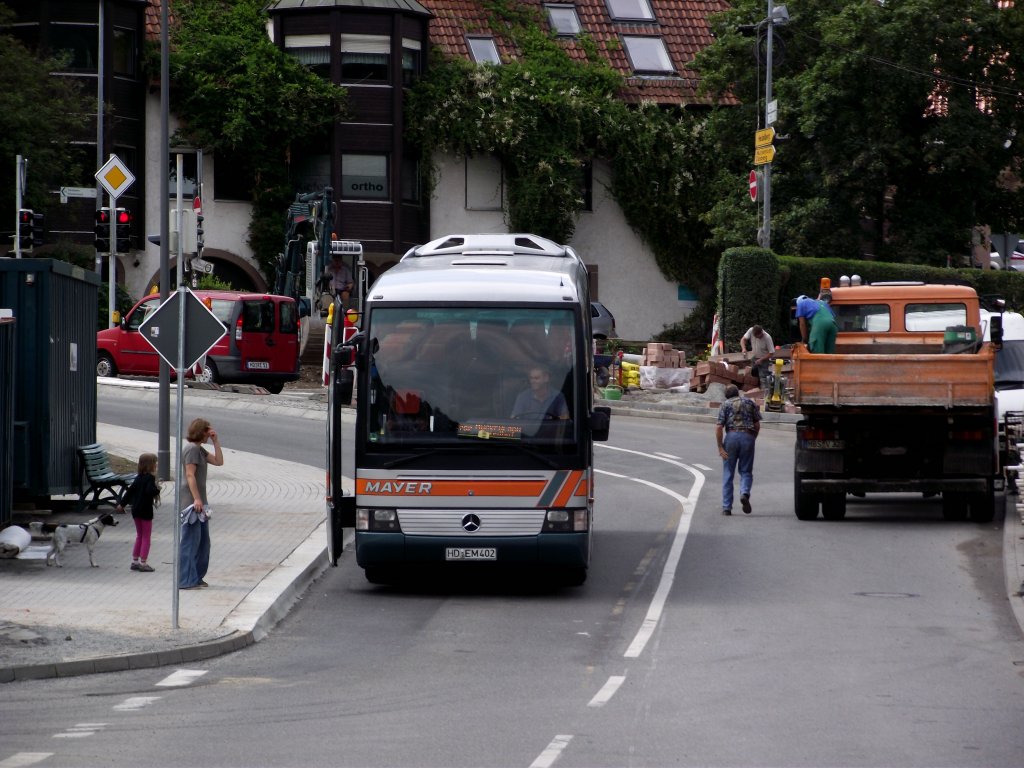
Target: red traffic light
x=103, y=216
x=124, y=216
x=25, y=216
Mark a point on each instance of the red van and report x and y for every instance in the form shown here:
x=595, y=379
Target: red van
x=261, y=345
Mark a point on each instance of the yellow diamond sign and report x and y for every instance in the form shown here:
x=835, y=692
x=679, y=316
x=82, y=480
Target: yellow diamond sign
x=115, y=176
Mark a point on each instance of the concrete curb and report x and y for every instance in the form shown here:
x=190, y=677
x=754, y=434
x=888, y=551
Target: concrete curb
x=254, y=618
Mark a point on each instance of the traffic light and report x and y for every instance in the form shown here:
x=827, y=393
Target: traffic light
x=102, y=230
x=124, y=230
x=26, y=221
x=199, y=233
x=37, y=229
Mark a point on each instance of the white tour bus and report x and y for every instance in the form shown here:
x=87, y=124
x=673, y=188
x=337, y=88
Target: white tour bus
x=475, y=417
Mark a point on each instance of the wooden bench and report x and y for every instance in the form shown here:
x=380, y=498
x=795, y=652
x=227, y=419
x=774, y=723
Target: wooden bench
x=98, y=477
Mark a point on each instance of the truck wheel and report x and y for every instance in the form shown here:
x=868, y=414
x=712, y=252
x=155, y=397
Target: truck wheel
x=954, y=506
x=105, y=365
x=833, y=506
x=806, y=504
x=983, y=505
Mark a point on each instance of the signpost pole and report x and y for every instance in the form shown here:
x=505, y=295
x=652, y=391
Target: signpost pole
x=766, y=232
x=180, y=368
x=112, y=263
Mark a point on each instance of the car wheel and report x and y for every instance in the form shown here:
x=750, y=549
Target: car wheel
x=274, y=388
x=602, y=376
x=105, y=366
x=833, y=506
x=209, y=374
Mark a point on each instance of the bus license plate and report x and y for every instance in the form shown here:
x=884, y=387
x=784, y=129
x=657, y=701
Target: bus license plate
x=471, y=553
x=258, y=365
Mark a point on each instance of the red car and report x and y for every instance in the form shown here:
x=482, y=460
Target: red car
x=261, y=345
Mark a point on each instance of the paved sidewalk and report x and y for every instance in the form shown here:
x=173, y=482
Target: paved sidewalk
x=268, y=543
x=269, y=539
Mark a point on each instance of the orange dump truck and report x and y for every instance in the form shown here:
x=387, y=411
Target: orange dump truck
x=905, y=404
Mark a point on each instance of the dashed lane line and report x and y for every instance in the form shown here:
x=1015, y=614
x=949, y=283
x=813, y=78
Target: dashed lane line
x=135, y=702
x=608, y=690
x=552, y=752
x=24, y=759
x=181, y=677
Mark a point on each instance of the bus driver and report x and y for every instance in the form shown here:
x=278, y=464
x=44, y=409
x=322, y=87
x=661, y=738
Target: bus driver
x=540, y=400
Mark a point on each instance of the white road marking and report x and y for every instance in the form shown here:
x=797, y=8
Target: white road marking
x=702, y=468
x=668, y=573
x=135, y=702
x=181, y=677
x=23, y=759
x=553, y=751
x=607, y=691
x=80, y=731
x=666, y=455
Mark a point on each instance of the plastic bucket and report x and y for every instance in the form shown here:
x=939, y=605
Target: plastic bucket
x=612, y=393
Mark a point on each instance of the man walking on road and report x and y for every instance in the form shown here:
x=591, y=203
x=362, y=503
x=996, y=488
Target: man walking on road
x=739, y=421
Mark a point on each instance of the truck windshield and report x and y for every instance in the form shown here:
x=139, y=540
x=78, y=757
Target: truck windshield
x=466, y=377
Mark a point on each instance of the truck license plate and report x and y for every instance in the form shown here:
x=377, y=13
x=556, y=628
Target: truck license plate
x=825, y=445
x=258, y=365
x=471, y=553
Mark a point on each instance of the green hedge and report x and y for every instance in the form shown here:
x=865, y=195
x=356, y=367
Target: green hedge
x=756, y=286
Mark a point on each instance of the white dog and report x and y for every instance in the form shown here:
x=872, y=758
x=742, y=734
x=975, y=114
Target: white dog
x=83, y=533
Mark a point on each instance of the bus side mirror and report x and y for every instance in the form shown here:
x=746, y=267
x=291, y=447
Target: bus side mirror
x=344, y=383
x=600, y=422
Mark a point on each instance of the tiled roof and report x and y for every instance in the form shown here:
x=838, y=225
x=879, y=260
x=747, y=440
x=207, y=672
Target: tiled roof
x=682, y=24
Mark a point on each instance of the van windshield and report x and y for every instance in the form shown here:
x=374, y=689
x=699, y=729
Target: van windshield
x=470, y=375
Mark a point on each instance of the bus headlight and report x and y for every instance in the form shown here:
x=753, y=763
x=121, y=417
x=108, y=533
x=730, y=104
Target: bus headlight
x=579, y=520
x=370, y=519
x=566, y=520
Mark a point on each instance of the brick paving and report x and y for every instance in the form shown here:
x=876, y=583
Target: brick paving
x=266, y=514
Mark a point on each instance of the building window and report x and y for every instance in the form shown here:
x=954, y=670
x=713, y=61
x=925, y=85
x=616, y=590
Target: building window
x=232, y=179
x=311, y=173
x=630, y=10
x=648, y=55
x=484, y=183
x=587, y=188
x=563, y=19
x=410, y=180
x=312, y=52
x=483, y=50
x=124, y=53
x=76, y=44
x=189, y=174
x=364, y=177
x=410, y=61
x=365, y=58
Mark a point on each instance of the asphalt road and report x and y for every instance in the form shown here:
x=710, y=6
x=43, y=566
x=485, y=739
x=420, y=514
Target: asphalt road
x=882, y=640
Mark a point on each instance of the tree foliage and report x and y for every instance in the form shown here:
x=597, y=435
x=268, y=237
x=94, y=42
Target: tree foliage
x=903, y=120
x=242, y=98
x=42, y=116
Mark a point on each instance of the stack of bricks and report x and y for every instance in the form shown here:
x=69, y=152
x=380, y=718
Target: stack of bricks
x=726, y=369
x=662, y=355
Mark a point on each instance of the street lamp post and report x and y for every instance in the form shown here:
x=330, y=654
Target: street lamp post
x=777, y=14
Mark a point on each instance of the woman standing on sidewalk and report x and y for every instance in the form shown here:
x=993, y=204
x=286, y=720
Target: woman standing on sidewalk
x=194, y=556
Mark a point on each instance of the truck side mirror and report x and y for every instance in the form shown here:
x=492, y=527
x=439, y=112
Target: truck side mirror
x=996, y=330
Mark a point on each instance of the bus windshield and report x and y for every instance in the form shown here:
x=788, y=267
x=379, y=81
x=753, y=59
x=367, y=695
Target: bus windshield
x=466, y=376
